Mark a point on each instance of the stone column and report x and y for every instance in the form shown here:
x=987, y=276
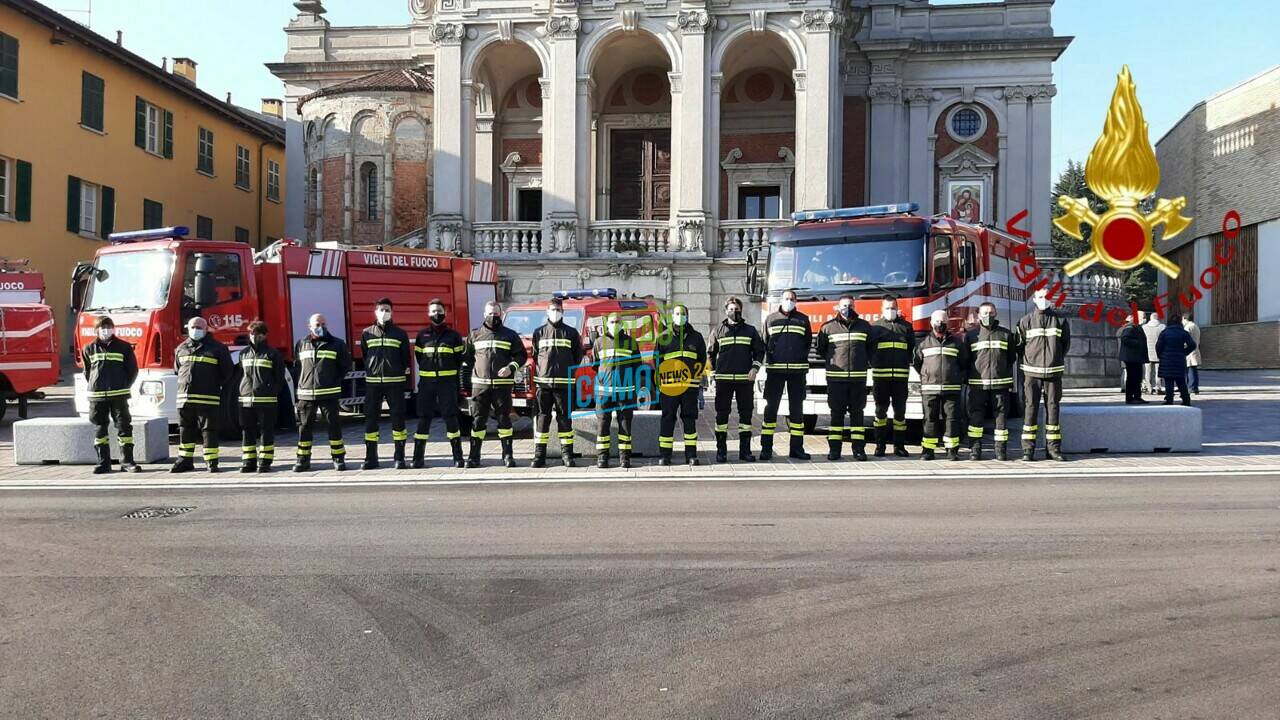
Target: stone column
x=582, y=159
x=920, y=184
x=713, y=157
x=446, y=216
x=819, y=106
x=560, y=165
x=1014, y=171
x=689, y=134
x=884, y=177
x=1038, y=139
x=485, y=190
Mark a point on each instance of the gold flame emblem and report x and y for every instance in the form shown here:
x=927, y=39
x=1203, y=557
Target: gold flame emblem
x=1122, y=170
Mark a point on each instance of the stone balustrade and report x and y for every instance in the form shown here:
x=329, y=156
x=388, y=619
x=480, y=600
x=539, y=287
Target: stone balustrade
x=739, y=236
x=646, y=237
x=507, y=238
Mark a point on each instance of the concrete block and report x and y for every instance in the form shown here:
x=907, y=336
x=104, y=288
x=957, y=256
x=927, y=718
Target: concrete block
x=1130, y=428
x=69, y=441
x=644, y=435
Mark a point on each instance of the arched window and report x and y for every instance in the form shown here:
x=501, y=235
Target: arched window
x=313, y=189
x=369, y=178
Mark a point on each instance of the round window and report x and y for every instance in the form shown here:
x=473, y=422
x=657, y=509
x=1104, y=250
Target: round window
x=966, y=123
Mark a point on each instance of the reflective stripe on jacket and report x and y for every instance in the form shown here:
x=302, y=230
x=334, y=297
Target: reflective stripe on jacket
x=842, y=344
x=617, y=360
x=686, y=344
x=489, y=350
x=1043, y=340
x=109, y=368
x=941, y=363
x=557, y=348
x=736, y=349
x=262, y=375
x=993, y=353
x=893, y=343
x=203, y=367
x=440, y=350
x=386, y=353
x=787, y=341
x=323, y=363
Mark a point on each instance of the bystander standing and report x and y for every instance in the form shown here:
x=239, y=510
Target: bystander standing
x=1172, y=347
x=1153, y=327
x=1134, y=356
x=1193, y=360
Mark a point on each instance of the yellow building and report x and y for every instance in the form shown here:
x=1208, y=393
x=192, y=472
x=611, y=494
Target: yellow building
x=95, y=139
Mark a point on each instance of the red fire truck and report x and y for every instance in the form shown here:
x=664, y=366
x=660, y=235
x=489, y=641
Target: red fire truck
x=28, y=338
x=928, y=263
x=152, y=282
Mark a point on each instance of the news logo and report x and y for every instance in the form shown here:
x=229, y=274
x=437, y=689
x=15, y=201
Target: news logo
x=609, y=385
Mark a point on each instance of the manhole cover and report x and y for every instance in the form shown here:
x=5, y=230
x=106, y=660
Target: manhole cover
x=149, y=513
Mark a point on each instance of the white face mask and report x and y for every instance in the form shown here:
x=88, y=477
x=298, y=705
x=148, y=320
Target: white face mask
x=555, y=316
x=317, y=330
x=986, y=320
x=196, y=333
x=890, y=313
x=105, y=334
x=678, y=319
x=611, y=328
x=1041, y=303
x=383, y=315
x=788, y=305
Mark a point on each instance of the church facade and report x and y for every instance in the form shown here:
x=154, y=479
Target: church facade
x=647, y=144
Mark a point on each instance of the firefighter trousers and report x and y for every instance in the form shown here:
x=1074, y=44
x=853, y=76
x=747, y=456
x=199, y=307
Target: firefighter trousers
x=438, y=397
x=1034, y=388
x=555, y=398
x=981, y=401
x=374, y=394
x=258, y=432
x=847, y=398
x=606, y=409
x=103, y=412
x=941, y=421
x=890, y=393
x=198, y=423
x=729, y=392
x=774, y=383
x=307, y=411
x=487, y=400
x=684, y=407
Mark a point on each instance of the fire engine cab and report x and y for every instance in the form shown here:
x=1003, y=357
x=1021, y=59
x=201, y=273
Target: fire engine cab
x=152, y=282
x=927, y=263
x=28, y=338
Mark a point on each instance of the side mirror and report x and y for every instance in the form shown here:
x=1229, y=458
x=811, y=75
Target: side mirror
x=206, y=291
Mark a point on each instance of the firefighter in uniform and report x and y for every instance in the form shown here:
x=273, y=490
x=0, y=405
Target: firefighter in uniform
x=941, y=359
x=617, y=358
x=787, y=340
x=1043, y=340
x=204, y=367
x=735, y=356
x=993, y=353
x=842, y=344
x=262, y=378
x=683, y=351
x=494, y=353
x=893, y=344
x=110, y=368
x=323, y=363
x=440, y=350
x=557, y=349
x=385, y=348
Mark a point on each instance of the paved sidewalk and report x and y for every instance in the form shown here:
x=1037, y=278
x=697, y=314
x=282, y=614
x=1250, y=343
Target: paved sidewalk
x=1241, y=434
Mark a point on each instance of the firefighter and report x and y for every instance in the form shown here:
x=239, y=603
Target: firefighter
x=842, y=344
x=440, y=350
x=1043, y=340
x=617, y=358
x=787, y=340
x=204, y=367
x=681, y=357
x=385, y=347
x=494, y=353
x=892, y=348
x=110, y=368
x=735, y=356
x=941, y=359
x=557, y=350
x=262, y=378
x=993, y=353
x=323, y=363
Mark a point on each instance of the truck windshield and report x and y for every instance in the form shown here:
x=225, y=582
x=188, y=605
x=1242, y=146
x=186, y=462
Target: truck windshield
x=132, y=280
x=524, y=322
x=839, y=267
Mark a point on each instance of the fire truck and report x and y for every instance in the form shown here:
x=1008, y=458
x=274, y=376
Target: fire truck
x=152, y=282
x=927, y=263
x=28, y=337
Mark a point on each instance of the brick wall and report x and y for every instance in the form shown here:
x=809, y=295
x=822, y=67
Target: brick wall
x=332, y=182
x=756, y=148
x=1241, y=345
x=853, y=170
x=409, y=203
x=530, y=150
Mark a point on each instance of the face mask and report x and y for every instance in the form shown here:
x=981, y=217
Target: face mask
x=318, y=330
x=678, y=319
x=555, y=316
x=437, y=318
x=257, y=339
x=845, y=310
x=384, y=316
x=890, y=313
x=734, y=313
x=1042, y=303
x=788, y=305
x=940, y=328
x=196, y=333
x=105, y=334
x=493, y=320
x=987, y=320
x=611, y=328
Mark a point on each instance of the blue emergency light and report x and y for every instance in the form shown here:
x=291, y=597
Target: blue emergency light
x=153, y=234
x=854, y=212
x=585, y=293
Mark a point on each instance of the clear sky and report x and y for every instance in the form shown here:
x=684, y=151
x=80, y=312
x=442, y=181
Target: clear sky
x=1180, y=51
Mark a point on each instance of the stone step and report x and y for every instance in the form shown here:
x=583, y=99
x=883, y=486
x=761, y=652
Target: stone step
x=69, y=441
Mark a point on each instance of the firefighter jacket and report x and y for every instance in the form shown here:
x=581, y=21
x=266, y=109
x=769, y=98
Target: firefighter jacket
x=440, y=350
x=386, y=353
x=787, y=340
x=262, y=375
x=842, y=344
x=557, y=349
x=109, y=368
x=617, y=361
x=686, y=344
x=323, y=363
x=941, y=363
x=489, y=350
x=893, y=345
x=993, y=353
x=204, y=367
x=736, y=349
x=1043, y=340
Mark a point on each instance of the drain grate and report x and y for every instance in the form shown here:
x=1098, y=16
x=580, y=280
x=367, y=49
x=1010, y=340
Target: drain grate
x=153, y=512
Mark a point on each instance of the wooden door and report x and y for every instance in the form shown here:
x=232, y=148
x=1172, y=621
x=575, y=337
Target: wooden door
x=640, y=174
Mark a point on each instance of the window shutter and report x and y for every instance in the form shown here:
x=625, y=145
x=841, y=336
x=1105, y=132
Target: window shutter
x=108, y=211
x=8, y=65
x=73, y=204
x=168, y=134
x=140, y=123
x=22, y=208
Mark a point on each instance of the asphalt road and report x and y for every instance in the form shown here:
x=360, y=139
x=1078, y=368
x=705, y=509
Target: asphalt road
x=1054, y=598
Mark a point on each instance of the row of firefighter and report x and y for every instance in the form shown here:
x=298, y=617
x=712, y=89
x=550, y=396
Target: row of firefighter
x=981, y=363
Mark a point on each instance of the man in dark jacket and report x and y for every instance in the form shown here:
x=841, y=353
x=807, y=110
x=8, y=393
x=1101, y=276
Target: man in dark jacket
x=1172, y=347
x=440, y=349
x=842, y=344
x=618, y=364
x=681, y=355
x=204, y=367
x=1133, y=354
x=1043, y=340
x=386, y=351
x=261, y=380
x=323, y=362
x=557, y=350
x=941, y=359
x=110, y=368
x=494, y=353
x=993, y=353
x=893, y=344
x=735, y=356
x=788, y=336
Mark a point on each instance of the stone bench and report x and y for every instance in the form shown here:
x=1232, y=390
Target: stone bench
x=69, y=441
x=1129, y=428
x=644, y=435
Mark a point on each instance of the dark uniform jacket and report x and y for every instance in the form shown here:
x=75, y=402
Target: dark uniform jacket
x=263, y=375
x=110, y=368
x=386, y=353
x=557, y=348
x=787, y=341
x=323, y=363
x=489, y=350
x=617, y=363
x=843, y=345
x=893, y=345
x=941, y=363
x=440, y=351
x=687, y=344
x=1043, y=340
x=993, y=353
x=736, y=349
x=204, y=367
x=1133, y=345
x=1172, y=347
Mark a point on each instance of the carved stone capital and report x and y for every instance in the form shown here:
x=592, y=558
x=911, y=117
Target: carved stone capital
x=693, y=22
x=918, y=95
x=884, y=92
x=689, y=238
x=823, y=20
x=562, y=27
x=447, y=33
x=1041, y=93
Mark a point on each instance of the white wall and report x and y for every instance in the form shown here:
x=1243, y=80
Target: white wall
x=1268, y=269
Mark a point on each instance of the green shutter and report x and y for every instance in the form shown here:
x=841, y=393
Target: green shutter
x=8, y=65
x=92, y=97
x=140, y=123
x=22, y=208
x=73, y=204
x=108, y=211
x=168, y=134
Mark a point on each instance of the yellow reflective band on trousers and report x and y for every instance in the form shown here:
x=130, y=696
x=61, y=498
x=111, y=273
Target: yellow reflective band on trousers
x=975, y=431
x=1029, y=432
x=1052, y=432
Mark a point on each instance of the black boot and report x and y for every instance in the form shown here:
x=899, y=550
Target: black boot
x=248, y=465
x=744, y=447
x=398, y=456
x=212, y=465
x=833, y=449
x=419, y=454
x=691, y=455
x=473, y=460
x=508, y=455
x=624, y=460
x=1055, y=453
x=975, y=452
x=264, y=466
x=127, y=464
x=722, y=447
x=797, y=448
x=184, y=464
x=953, y=453
x=540, y=456
x=339, y=463
x=882, y=439
x=1002, y=451
x=900, y=450
x=766, y=447
x=566, y=455
x=303, y=463
x=664, y=457
x=1028, y=453
x=455, y=445
x=859, y=451
x=104, y=459
x=926, y=454
x=370, y=456
x=602, y=459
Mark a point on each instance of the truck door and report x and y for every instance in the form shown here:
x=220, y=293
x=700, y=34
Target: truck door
x=214, y=286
